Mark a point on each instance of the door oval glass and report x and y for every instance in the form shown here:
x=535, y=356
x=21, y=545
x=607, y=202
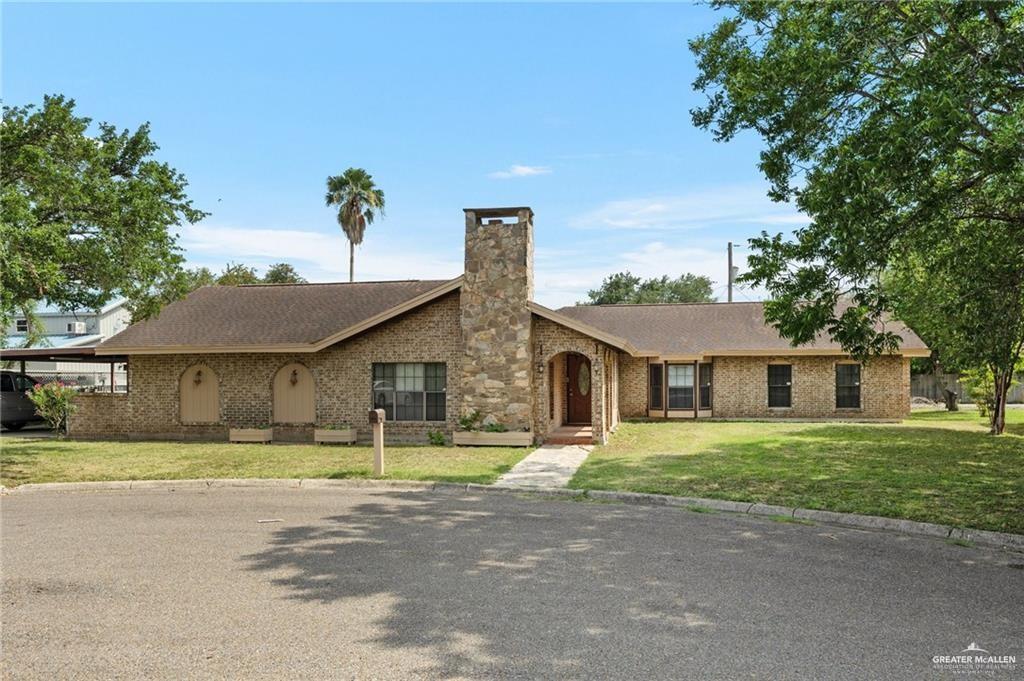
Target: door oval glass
x=583, y=378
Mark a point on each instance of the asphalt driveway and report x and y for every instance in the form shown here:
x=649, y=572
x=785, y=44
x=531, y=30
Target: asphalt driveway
x=382, y=585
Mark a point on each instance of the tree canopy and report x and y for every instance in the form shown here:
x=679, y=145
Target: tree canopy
x=85, y=211
x=180, y=282
x=624, y=287
x=282, y=273
x=898, y=128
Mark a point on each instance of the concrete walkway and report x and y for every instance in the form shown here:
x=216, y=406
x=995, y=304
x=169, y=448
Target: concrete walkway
x=547, y=467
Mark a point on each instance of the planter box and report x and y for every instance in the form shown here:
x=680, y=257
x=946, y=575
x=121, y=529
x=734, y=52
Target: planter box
x=485, y=439
x=250, y=434
x=334, y=436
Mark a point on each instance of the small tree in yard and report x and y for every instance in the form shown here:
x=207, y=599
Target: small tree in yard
x=54, y=402
x=898, y=128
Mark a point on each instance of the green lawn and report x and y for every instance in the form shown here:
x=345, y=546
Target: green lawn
x=23, y=461
x=934, y=467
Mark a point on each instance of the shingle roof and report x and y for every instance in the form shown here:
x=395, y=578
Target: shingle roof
x=704, y=328
x=271, y=315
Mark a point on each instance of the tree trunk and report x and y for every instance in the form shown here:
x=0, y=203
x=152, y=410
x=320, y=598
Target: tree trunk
x=998, y=415
x=949, y=394
x=950, y=398
x=351, y=262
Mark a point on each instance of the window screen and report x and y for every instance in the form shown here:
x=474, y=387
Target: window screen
x=706, y=372
x=780, y=385
x=656, y=387
x=847, y=386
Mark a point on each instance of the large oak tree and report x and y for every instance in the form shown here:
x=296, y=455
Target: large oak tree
x=898, y=128
x=85, y=211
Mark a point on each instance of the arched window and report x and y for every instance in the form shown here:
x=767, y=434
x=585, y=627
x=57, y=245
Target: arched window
x=198, y=395
x=294, y=395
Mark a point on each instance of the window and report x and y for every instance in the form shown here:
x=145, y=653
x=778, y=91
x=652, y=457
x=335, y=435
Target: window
x=847, y=386
x=23, y=383
x=410, y=391
x=6, y=383
x=705, y=385
x=680, y=386
x=657, y=387
x=21, y=325
x=551, y=390
x=780, y=385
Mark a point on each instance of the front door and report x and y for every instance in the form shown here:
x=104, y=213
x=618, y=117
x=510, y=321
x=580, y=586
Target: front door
x=577, y=369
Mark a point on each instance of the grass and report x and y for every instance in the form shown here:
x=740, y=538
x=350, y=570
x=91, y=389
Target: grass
x=934, y=467
x=23, y=461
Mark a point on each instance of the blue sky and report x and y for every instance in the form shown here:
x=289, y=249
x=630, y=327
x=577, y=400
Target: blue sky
x=580, y=111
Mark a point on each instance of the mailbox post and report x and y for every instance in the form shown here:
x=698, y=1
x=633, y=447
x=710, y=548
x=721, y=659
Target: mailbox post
x=377, y=422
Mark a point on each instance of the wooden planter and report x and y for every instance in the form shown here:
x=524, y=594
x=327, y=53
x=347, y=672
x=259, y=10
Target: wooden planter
x=324, y=436
x=479, y=438
x=263, y=435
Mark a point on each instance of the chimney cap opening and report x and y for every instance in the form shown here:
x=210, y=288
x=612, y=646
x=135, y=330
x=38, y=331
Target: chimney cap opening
x=508, y=212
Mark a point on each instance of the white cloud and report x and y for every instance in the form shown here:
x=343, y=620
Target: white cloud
x=318, y=256
x=746, y=204
x=519, y=171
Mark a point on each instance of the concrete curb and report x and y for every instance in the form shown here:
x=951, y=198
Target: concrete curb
x=1003, y=540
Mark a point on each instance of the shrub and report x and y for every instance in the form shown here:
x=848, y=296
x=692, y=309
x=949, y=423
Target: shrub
x=436, y=437
x=54, y=402
x=495, y=428
x=470, y=421
x=981, y=388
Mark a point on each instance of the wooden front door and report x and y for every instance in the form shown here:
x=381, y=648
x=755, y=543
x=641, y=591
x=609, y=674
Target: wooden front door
x=577, y=368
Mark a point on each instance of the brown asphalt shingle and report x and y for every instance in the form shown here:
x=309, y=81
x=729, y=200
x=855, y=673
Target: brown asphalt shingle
x=267, y=315
x=698, y=328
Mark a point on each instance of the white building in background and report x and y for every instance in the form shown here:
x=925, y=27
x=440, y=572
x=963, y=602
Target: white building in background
x=78, y=328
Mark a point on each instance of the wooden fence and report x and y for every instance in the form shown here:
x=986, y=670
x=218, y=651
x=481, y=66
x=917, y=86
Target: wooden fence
x=931, y=386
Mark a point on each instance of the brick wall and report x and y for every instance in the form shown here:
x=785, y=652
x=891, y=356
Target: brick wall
x=342, y=374
x=740, y=388
x=632, y=386
x=99, y=413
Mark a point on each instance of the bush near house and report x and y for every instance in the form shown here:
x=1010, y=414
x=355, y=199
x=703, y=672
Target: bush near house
x=54, y=401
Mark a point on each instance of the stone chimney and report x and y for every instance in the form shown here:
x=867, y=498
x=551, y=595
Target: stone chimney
x=498, y=284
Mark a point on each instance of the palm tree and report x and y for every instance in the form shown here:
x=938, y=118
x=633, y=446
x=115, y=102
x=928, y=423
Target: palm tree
x=358, y=200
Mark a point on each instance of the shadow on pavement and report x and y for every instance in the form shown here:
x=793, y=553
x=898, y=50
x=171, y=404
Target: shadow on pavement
x=481, y=598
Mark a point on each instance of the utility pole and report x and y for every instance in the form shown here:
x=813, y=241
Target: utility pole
x=730, y=272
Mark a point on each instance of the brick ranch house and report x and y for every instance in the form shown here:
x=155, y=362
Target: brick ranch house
x=429, y=352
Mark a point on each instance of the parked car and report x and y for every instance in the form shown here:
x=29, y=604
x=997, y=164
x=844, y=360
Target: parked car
x=15, y=408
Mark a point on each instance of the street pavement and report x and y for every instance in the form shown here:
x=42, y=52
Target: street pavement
x=398, y=585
